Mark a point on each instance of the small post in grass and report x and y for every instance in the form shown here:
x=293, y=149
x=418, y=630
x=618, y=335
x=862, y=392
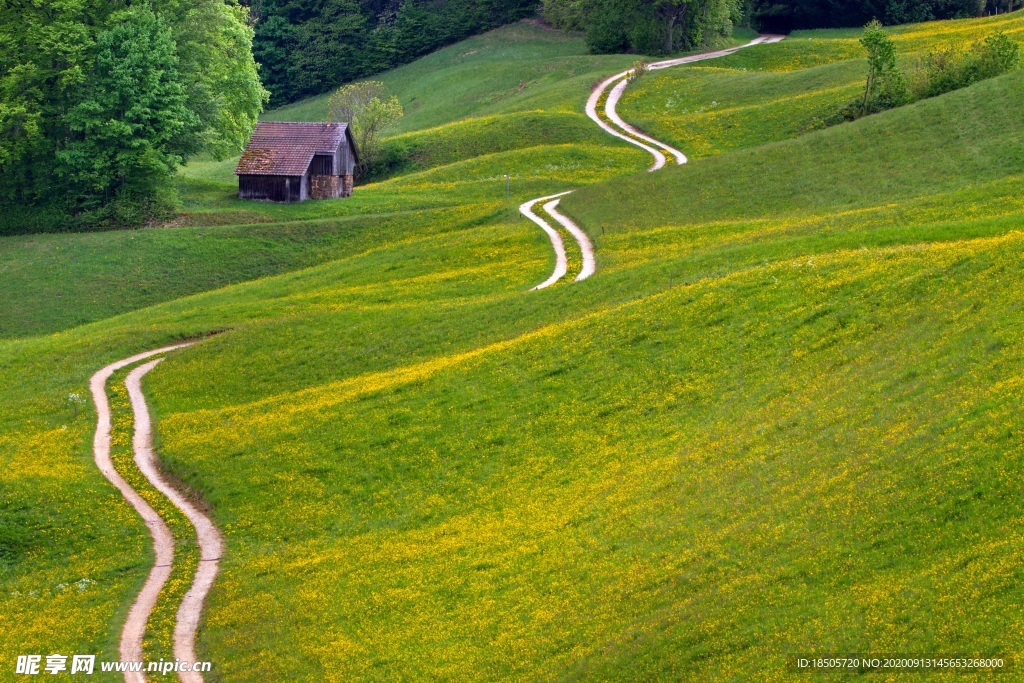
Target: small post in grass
x=508, y=188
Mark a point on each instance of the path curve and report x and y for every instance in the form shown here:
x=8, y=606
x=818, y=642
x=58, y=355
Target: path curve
x=586, y=248
x=630, y=133
x=624, y=131
x=561, y=260
x=210, y=542
x=610, y=111
x=595, y=97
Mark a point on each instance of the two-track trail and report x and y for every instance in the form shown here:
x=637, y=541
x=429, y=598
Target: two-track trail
x=208, y=536
x=614, y=125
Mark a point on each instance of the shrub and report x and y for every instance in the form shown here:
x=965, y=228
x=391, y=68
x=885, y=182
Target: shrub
x=886, y=87
x=567, y=15
x=367, y=109
x=640, y=69
x=940, y=71
x=954, y=67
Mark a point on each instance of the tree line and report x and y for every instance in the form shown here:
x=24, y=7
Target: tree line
x=659, y=27
x=306, y=47
x=101, y=100
x=785, y=15
x=649, y=27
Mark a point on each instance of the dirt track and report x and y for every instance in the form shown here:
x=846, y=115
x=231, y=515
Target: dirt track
x=210, y=543
x=619, y=128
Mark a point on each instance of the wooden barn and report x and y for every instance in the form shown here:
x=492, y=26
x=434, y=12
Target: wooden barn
x=292, y=162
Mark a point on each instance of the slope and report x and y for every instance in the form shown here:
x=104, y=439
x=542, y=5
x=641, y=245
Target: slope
x=618, y=479
x=55, y=282
x=782, y=418
x=768, y=94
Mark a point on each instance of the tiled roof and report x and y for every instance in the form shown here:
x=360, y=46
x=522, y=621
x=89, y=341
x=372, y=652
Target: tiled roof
x=283, y=148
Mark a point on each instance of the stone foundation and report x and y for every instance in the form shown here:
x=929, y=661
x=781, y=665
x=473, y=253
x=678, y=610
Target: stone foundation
x=324, y=186
x=330, y=186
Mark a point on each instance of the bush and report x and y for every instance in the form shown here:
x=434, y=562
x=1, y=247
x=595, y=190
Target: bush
x=567, y=15
x=940, y=71
x=606, y=29
x=640, y=69
x=954, y=67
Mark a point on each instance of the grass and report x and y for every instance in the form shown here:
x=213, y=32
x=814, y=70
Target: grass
x=538, y=135
x=518, y=68
x=777, y=92
x=782, y=417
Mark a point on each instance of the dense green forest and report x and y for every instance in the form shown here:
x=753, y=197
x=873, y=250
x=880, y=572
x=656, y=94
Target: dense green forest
x=305, y=47
x=101, y=100
x=784, y=15
x=658, y=27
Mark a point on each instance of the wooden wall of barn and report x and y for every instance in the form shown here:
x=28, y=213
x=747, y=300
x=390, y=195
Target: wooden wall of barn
x=275, y=188
x=323, y=164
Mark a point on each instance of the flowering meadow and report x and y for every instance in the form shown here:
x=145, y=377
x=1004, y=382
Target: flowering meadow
x=783, y=417
x=776, y=92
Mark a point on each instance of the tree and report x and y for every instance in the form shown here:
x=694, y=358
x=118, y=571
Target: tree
x=213, y=42
x=134, y=108
x=671, y=12
x=46, y=52
x=100, y=101
x=886, y=87
x=369, y=111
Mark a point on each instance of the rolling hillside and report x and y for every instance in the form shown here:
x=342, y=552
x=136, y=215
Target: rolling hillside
x=783, y=417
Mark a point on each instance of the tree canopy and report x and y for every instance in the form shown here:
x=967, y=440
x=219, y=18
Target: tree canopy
x=652, y=27
x=101, y=101
x=784, y=15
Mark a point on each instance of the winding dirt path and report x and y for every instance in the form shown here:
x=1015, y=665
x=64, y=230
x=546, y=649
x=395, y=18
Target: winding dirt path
x=210, y=542
x=627, y=132
x=619, y=128
x=610, y=111
x=561, y=260
x=586, y=248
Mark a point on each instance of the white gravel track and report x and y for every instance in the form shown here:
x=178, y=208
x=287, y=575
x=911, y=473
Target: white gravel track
x=595, y=97
x=209, y=538
x=624, y=131
x=561, y=261
x=609, y=109
x=586, y=248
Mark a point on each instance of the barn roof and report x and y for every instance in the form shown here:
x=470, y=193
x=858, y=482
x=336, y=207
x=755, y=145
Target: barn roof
x=286, y=148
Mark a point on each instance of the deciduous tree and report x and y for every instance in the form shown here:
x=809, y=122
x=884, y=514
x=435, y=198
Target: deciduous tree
x=369, y=111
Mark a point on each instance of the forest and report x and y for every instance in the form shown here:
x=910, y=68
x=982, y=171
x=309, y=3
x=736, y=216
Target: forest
x=786, y=15
x=659, y=27
x=101, y=101
x=305, y=47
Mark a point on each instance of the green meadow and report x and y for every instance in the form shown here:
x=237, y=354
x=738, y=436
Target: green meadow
x=783, y=417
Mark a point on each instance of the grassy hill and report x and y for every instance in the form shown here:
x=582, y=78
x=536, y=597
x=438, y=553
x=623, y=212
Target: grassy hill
x=511, y=101
x=783, y=417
